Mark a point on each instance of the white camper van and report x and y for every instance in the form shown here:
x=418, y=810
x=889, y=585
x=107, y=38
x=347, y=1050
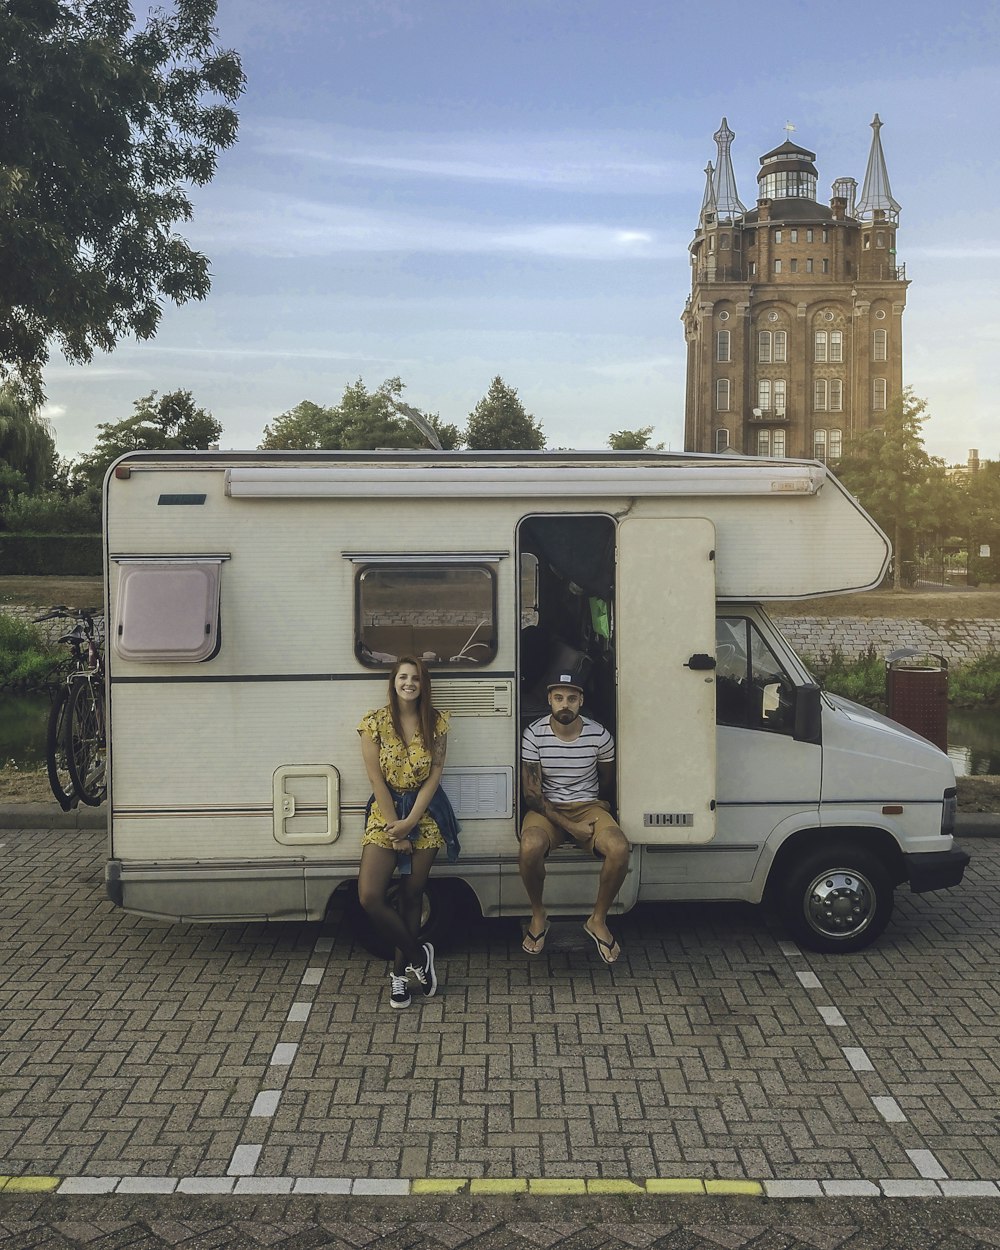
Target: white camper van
x=255, y=601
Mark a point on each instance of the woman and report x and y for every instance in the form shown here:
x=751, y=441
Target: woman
x=408, y=820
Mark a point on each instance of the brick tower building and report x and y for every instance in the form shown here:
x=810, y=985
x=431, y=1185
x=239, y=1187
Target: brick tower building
x=794, y=325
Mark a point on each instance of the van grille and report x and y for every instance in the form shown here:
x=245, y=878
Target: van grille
x=473, y=698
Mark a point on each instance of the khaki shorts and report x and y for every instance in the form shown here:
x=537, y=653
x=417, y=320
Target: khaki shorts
x=592, y=811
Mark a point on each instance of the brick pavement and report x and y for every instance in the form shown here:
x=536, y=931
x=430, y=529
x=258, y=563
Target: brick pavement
x=138, y=1055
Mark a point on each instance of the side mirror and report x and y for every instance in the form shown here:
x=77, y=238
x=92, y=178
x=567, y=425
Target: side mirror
x=808, y=714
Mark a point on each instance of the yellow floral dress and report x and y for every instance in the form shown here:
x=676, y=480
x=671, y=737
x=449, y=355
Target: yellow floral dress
x=404, y=768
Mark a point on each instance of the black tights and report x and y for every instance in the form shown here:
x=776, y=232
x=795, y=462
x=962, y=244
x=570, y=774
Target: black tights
x=397, y=925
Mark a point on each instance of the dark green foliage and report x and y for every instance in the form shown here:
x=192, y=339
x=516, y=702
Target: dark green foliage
x=51, y=555
x=633, y=440
x=170, y=423
x=53, y=513
x=27, y=660
x=499, y=422
x=861, y=679
x=102, y=127
x=362, y=421
x=975, y=684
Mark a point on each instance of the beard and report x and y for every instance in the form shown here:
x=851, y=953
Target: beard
x=566, y=716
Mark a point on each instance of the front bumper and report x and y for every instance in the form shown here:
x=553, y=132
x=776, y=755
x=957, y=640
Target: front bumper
x=936, y=870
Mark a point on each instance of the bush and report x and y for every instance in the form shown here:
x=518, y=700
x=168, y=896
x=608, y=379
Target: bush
x=27, y=660
x=861, y=679
x=53, y=513
x=977, y=683
x=51, y=555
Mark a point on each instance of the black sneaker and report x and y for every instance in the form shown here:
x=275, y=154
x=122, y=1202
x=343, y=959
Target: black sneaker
x=424, y=972
x=399, y=991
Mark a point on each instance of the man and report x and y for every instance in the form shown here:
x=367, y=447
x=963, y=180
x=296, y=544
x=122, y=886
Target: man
x=567, y=763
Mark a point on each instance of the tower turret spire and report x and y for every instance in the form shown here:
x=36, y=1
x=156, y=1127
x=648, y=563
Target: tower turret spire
x=876, y=194
x=708, y=203
x=727, y=202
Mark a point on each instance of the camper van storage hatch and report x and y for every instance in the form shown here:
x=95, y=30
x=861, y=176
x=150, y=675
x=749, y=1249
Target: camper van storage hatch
x=167, y=611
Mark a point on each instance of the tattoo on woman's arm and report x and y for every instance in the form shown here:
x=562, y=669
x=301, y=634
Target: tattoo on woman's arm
x=440, y=748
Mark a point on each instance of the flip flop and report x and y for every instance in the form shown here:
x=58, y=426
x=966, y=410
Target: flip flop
x=605, y=949
x=534, y=937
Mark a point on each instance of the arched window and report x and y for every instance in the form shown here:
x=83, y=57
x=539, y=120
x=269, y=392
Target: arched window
x=878, y=394
x=722, y=345
x=722, y=395
x=879, y=345
x=721, y=438
x=819, y=445
x=764, y=347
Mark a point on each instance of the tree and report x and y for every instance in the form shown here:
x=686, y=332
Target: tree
x=362, y=421
x=499, y=422
x=101, y=127
x=306, y=427
x=27, y=448
x=903, y=487
x=171, y=423
x=633, y=440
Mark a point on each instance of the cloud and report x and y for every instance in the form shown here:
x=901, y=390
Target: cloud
x=610, y=162
x=287, y=226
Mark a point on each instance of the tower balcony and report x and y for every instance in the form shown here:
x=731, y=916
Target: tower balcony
x=769, y=416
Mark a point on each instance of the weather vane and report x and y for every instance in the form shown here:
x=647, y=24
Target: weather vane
x=789, y=127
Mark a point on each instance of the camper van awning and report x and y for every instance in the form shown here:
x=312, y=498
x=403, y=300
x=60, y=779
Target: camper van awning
x=413, y=481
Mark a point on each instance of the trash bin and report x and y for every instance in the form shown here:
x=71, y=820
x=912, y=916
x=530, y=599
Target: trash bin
x=916, y=689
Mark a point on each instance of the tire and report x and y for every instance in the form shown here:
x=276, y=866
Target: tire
x=85, y=743
x=836, y=899
x=56, y=758
x=446, y=914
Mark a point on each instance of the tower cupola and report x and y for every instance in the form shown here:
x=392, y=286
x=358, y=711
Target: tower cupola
x=787, y=173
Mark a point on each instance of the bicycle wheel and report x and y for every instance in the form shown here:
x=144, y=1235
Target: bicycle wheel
x=85, y=746
x=56, y=760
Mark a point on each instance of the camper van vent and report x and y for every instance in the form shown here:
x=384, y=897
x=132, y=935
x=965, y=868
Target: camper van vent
x=479, y=792
x=473, y=698
x=667, y=820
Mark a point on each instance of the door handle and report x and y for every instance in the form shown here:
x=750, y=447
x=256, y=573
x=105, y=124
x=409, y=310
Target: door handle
x=700, y=662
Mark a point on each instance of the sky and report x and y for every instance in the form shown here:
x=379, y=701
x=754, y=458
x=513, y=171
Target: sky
x=451, y=190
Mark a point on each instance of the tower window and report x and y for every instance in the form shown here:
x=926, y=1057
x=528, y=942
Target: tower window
x=721, y=438
x=780, y=346
x=820, y=395
x=879, y=345
x=764, y=394
x=819, y=445
x=821, y=347
x=722, y=395
x=880, y=240
x=722, y=345
x=764, y=347
x=779, y=396
x=836, y=395
x=837, y=345
x=724, y=242
x=878, y=394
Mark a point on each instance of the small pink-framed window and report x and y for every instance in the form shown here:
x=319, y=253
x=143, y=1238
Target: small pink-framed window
x=167, y=609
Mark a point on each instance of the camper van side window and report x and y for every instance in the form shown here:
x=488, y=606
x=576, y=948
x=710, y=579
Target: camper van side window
x=444, y=613
x=752, y=690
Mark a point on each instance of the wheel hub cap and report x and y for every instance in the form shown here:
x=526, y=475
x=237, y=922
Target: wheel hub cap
x=840, y=903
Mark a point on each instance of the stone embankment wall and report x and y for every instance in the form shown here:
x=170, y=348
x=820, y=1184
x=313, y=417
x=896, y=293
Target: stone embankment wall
x=958, y=641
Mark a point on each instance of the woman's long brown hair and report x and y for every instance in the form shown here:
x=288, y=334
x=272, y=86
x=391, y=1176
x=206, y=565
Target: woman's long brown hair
x=426, y=715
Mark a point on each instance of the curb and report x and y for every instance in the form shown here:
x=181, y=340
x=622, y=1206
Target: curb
x=661, y=1187
x=51, y=816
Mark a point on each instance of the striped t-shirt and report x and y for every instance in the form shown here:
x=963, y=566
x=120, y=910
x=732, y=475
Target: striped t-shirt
x=569, y=769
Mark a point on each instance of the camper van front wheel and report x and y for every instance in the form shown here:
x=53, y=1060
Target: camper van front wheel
x=837, y=899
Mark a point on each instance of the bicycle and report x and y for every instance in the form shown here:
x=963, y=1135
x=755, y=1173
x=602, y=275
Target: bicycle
x=76, y=755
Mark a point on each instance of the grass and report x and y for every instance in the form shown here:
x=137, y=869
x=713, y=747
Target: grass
x=43, y=592
x=27, y=660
